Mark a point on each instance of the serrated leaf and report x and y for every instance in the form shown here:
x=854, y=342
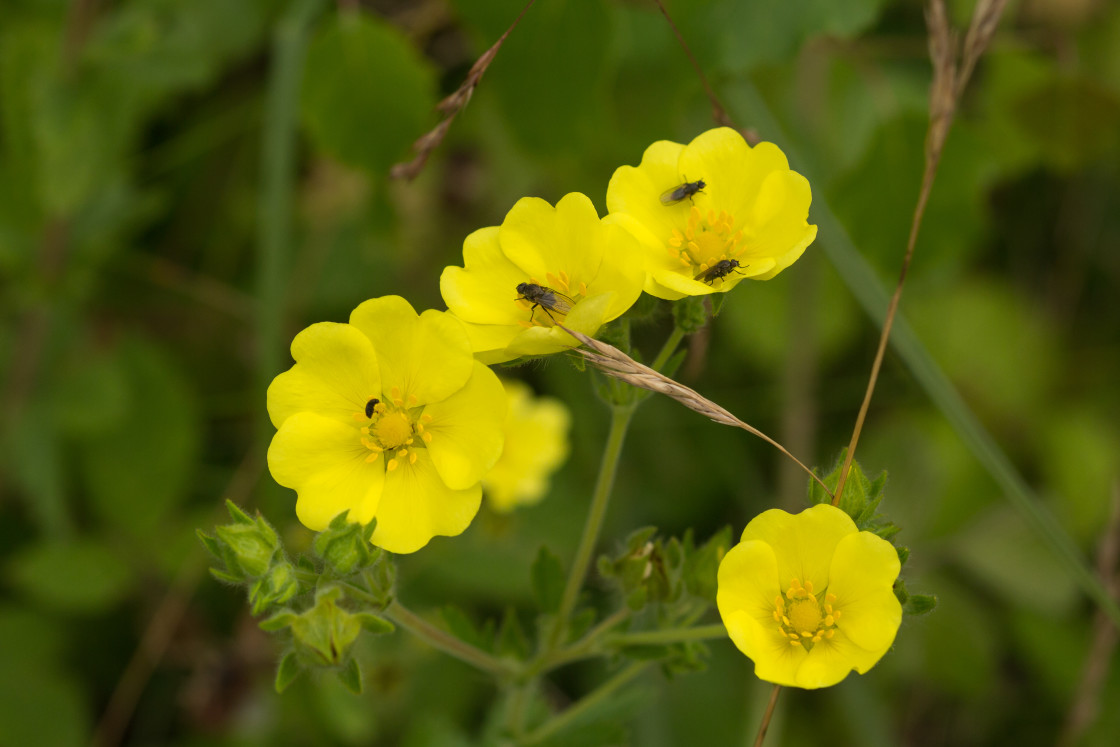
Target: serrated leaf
x=367, y=92
x=547, y=579
x=287, y=671
x=351, y=676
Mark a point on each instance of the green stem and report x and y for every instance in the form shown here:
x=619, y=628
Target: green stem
x=672, y=635
x=668, y=348
x=445, y=642
x=584, y=648
x=592, y=699
x=620, y=421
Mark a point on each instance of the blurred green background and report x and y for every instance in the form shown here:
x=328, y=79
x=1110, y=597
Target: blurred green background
x=184, y=184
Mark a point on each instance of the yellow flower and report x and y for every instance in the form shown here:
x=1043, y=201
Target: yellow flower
x=536, y=444
x=808, y=596
x=544, y=265
x=387, y=417
x=712, y=212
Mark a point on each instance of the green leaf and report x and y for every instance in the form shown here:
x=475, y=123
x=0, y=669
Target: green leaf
x=83, y=576
x=547, y=579
x=367, y=92
x=287, y=671
x=351, y=676
x=139, y=468
x=463, y=628
x=512, y=640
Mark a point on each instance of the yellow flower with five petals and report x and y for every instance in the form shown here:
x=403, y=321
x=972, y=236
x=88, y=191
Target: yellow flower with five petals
x=748, y=219
x=808, y=597
x=543, y=266
x=387, y=417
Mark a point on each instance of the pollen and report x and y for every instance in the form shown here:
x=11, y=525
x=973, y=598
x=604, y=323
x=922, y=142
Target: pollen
x=801, y=617
x=706, y=240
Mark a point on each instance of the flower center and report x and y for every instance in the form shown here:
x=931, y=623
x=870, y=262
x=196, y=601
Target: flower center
x=706, y=240
x=393, y=427
x=802, y=618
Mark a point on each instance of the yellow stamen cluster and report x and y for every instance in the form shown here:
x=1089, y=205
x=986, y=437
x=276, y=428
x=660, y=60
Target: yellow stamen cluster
x=706, y=240
x=802, y=618
x=393, y=429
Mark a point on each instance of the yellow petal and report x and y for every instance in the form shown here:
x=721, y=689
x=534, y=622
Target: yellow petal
x=775, y=660
x=637, y=191
x=830, y=661
x=803, y=543
x=467, y=429
x=748, y=581
x=863, y=573
x=428, y=357
x=325, y=463
x=733, y=170
x=488, y=341
x=622, y=271
x=484, y=291
x=416, y=505
x=587, y=317
x=542, y=239
x=335, y=375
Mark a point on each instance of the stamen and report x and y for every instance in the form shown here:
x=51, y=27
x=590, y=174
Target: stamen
x=392, y=465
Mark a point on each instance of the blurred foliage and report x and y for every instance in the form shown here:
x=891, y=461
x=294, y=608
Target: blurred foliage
x=133, y=325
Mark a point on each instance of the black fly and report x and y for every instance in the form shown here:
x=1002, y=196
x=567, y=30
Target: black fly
x=547, y=298
x=370, y=405
x=686, y=190
x=719, y=270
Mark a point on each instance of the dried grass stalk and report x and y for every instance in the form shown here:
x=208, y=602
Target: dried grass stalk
x=451, y=106
x=613, y=362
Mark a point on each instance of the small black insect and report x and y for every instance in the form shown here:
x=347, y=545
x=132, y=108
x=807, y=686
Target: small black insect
x=686, y=190
x=370, y=405
x=719, y=270
x=547, y=298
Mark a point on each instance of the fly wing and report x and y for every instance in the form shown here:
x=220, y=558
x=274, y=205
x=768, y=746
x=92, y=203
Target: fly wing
x=556, y=301
x=673, y=195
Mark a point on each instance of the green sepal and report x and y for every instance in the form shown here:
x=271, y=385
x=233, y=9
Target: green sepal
x=225, y=577
x=287, y=671
x=279, y=621
x=546, y=577
x=689, y=314
x=278, y=586
x=718, y=300
x=235, y=513
x=637, y=598
x=324, y=634
x=345, y=546
x=212, y=545
x=351, y=676
x=903, y=554
x=920, y=604
x=374, y=624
